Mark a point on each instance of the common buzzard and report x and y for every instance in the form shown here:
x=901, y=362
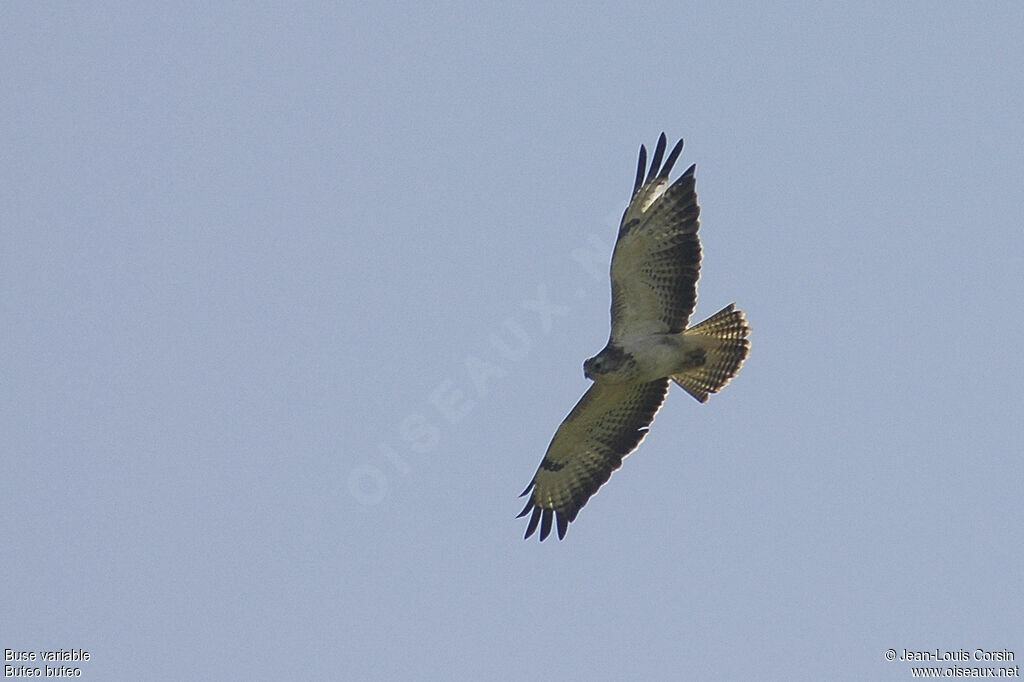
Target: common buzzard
x=654, y=274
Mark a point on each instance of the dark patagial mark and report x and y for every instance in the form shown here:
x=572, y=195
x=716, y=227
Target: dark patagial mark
x=626, y=227
x=551, y=465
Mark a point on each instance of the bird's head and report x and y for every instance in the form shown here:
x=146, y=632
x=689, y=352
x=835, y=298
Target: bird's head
x=605, y=364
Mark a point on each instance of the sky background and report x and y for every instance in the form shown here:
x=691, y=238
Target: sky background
x=294, y=297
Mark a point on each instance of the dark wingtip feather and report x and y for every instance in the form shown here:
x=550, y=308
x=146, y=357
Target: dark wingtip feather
x=671, y=160
x=545, y=524
x=659, y=153
x=640, y=167
x=656, y=170
x=528, y=488
x=526, y=509
x=563, y=523
x=532, y=526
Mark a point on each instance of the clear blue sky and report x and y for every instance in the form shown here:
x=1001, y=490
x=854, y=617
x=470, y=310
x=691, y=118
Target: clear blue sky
x=295, y=296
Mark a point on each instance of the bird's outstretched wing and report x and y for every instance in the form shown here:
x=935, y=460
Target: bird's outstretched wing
x=607, y=424
x=656, y=261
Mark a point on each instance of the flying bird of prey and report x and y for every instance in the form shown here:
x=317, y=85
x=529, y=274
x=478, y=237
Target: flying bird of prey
x=654, y=271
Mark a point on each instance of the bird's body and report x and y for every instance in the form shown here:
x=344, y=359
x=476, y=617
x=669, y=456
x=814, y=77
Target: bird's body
x=654, y=272
x=644, y=358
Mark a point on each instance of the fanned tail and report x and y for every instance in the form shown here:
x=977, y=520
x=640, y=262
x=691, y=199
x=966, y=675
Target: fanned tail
x=723, y=337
